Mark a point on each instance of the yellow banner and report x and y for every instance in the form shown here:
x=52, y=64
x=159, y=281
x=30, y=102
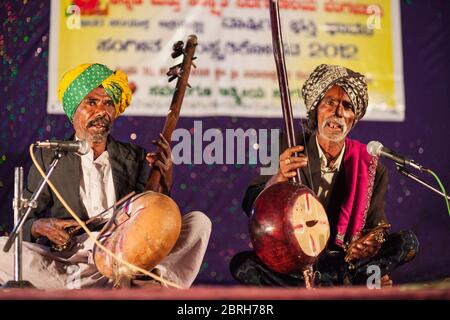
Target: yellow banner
x=236, y=72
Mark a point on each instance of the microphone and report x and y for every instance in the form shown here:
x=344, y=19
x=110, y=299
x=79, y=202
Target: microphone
x=81, y=146
x=375, y=148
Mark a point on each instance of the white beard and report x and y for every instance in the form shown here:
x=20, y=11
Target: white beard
x=334, y=137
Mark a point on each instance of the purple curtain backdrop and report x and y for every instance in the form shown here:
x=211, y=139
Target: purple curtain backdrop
x=217, y=190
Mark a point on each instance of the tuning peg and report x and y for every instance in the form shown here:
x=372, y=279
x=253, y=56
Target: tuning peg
x=188, y=85
x=174, y=70
x=176, y=54
x=177, y=49
x=177, y=46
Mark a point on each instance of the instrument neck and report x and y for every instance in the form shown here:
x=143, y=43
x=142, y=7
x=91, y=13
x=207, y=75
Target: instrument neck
x=278, y=51
x=154, y=180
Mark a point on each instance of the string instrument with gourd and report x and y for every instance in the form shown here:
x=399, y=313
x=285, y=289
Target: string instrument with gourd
x=143, y=227
x=289, y=227
x=148, y=225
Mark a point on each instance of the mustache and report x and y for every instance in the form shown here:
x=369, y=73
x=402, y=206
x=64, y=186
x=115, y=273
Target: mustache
x=337, y=120
x=101, y=119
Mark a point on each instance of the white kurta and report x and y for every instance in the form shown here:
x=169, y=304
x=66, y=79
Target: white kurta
x=328, y=174
x=96, y=186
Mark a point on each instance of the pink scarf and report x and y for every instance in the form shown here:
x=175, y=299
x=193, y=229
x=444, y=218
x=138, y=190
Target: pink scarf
x=359, y=169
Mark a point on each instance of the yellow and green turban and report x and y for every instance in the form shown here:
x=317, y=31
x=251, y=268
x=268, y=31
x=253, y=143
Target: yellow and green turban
x=77, y=83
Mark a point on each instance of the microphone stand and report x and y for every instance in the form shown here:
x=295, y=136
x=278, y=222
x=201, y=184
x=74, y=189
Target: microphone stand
x=19, y=203
x=402, y=170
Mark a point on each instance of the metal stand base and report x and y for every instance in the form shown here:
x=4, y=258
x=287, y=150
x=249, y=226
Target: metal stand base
x=17, y=284
x=19, y=219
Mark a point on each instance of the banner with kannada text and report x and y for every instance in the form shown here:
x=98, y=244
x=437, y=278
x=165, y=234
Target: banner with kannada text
x=235, y=74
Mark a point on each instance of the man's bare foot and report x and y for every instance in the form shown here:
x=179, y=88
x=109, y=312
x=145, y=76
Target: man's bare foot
x=386, y=281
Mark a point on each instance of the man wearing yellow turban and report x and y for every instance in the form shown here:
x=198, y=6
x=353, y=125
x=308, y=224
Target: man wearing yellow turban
x=79, y=82
x=93, y=96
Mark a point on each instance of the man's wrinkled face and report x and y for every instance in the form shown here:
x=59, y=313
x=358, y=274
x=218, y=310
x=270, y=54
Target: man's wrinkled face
x=94, y=117
x=335, y=115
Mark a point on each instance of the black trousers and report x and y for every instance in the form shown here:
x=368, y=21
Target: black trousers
x=331, y=269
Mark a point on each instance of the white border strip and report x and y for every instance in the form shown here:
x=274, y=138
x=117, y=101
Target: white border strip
x=397, y=48
x=52, y=99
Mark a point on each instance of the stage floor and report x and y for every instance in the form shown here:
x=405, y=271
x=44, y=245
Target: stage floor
x=437, y=290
